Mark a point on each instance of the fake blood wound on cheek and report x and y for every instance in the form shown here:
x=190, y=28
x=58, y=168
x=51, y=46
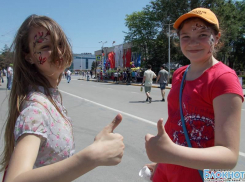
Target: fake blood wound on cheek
x=40, y=37
x=199, y=27
x=41, y=60
x=211, y=42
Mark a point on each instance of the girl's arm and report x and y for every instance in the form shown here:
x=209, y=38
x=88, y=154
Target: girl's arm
x=158, y=77
x=106, y=150
x=224, y=155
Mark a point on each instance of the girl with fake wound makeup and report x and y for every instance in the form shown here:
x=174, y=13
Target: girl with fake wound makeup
x=39, y=142
x=211, y=104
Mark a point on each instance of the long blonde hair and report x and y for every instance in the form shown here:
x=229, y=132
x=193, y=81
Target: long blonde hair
x=26, y=74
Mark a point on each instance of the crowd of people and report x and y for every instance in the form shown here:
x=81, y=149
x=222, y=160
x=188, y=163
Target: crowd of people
x=9, y=76
x=202, y=130
x=124, y=76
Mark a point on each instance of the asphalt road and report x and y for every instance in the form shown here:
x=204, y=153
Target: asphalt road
x=92, y=105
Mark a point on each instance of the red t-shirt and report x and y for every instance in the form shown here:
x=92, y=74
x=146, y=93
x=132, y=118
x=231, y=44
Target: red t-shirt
x=197, y=104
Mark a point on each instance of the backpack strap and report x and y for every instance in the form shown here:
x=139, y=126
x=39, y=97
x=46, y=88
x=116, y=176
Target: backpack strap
x=5, y=173
x=182, y=117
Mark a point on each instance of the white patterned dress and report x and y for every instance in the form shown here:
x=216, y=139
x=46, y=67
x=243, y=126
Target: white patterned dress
x=39, y=117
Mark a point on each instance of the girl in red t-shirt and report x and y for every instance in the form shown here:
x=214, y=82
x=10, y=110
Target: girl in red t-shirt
x=211, y=101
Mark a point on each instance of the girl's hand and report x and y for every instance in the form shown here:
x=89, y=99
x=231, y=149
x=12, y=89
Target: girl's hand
x=108, y=146
x=159, y=148
x=152, y=168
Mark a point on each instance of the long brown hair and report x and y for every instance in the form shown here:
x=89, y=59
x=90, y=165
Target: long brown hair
x=26, y=75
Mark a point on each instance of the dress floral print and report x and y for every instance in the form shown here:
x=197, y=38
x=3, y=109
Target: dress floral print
x=39, y=117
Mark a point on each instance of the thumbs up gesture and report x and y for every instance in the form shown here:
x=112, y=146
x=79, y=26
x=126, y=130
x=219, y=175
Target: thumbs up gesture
x=108, y=145
x=159, y=148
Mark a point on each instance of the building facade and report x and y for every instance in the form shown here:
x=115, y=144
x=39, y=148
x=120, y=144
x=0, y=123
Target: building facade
x=117, y=57
x=82, y=62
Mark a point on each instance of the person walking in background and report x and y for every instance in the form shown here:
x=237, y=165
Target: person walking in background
x=39, y=142
x=91, y=74
x=147, y=79
x=4, y=72
x=1, y=76
x=65, y=75
x=87, y=73
x=204, y=108
x=9, y=76
x=136, y=76
x=133, y=76
x=163, y=80
x=124, y=76
x=128, y=76
x=68, y=76
x=115, y=76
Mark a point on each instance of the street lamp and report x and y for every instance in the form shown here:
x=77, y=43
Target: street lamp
x=102, y=55
x=169, y=35
x=113, y=43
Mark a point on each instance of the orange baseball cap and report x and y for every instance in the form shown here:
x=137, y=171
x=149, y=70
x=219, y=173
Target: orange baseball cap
x=202, y=13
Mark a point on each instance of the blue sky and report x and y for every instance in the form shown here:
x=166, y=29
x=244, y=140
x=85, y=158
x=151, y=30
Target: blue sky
x=85, y=22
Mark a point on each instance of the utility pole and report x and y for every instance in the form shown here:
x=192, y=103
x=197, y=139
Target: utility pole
x=169, y=35
x=169, y=48
x=102, y=56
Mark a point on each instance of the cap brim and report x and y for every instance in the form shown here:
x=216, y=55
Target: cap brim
x=186, y=16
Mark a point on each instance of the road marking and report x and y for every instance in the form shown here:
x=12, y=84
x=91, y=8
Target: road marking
x=112, y=109
x=242, y=154
x=127, y=114
x=134, y=92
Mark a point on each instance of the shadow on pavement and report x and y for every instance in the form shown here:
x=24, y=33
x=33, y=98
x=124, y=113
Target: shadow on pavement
x=144, y=101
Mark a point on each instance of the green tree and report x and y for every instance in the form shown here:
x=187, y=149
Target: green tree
x=148, y=30
x=165, y=12
x=142, y=32
x=239, y=44
x=5, y=57
x=229, y=15
x=93, y=66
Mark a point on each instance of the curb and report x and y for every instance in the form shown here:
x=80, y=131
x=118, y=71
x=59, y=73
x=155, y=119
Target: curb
x=133, y=84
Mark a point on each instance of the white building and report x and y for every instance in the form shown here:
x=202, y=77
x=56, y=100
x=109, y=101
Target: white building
x=82, y=61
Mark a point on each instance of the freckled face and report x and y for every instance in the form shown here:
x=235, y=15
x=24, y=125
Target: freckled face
x=41, y=46
x=197, y=40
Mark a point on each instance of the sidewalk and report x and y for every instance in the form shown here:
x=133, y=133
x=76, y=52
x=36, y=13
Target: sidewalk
x=121, y=83
x=154, y=85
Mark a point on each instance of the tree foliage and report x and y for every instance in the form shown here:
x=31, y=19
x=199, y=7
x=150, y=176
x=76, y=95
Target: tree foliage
x=142, y=32
x=5, y=57
x=148, y=30
x=93, y=66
